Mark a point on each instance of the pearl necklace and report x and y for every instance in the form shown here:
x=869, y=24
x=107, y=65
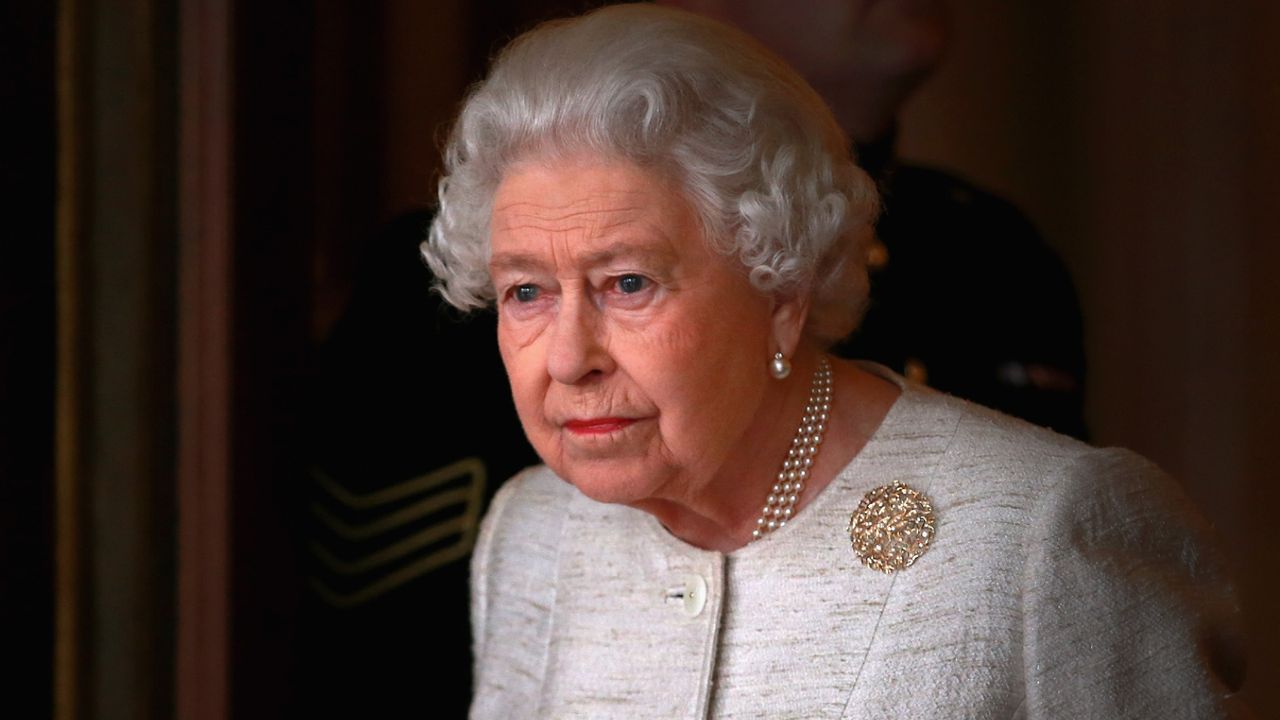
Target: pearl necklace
x=781, y=503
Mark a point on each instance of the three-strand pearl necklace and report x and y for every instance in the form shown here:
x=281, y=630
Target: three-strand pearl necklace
x=780, y=506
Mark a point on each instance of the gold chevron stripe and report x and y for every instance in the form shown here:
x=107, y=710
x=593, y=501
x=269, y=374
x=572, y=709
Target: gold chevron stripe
x=466, y=466
x=395, y=551
x=464, y=525
x=392, y=580
x=398, y=518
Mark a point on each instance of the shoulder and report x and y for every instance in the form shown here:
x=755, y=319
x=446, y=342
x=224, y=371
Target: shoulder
x=522, y=525
x=1127, y=604
x=976, y=442
x=1011, y=457
x=1114, y=598
x=513, y=588
x=989, y=478
x=528, y=489
x=995, y=478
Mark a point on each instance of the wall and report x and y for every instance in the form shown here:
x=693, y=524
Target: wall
x=1141, y=139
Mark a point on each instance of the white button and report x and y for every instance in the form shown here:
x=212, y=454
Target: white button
x=695, y=595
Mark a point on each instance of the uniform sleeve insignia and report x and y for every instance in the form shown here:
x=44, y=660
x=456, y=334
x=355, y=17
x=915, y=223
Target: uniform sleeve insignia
x=366, y=545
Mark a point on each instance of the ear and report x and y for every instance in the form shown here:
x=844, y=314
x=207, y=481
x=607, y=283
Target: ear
x=790, y=314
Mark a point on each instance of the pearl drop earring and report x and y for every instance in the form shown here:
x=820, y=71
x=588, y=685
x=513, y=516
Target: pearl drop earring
x=779, y=366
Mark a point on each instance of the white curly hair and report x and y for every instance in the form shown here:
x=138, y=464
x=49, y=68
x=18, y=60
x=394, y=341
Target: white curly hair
x=759, y=155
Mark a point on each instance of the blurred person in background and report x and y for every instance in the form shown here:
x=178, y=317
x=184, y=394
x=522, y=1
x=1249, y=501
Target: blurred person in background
x=730, y=522
x=965, y=294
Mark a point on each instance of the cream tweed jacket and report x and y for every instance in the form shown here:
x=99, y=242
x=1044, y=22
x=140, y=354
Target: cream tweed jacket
x=1064, y=582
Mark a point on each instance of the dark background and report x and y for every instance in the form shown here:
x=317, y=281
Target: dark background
x=1140, y=137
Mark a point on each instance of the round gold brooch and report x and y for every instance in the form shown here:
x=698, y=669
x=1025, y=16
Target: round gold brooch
x=892, y=527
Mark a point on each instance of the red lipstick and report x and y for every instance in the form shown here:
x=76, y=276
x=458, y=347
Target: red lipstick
x=597, y=426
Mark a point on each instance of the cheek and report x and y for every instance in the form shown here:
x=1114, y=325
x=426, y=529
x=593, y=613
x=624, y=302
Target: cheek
x=525, y=371
x=659, y=337
x=703, y=369
x=516, y=335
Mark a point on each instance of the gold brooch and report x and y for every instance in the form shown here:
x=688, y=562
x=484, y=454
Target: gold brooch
x=892, y=527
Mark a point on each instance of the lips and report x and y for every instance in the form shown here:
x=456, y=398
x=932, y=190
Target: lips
x=598, y=426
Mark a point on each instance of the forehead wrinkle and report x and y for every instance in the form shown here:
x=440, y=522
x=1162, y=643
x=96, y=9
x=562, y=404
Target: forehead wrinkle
x=590, y=221
x=537, y=210
x=565, y=228
x=622, y=240
x=620, y=203
x=587, y=229
x=627, y=250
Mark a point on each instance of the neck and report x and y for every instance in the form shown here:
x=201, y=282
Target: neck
x=721, y=514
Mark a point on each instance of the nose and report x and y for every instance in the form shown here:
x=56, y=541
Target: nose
x=578, y=350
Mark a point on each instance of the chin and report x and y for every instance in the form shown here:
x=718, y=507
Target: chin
x=616, y=482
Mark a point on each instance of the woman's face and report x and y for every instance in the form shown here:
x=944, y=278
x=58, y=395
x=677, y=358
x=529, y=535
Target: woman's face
x=637, y=356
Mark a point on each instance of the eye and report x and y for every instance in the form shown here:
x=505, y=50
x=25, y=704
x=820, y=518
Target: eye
x=629, y=284
x=525, y=293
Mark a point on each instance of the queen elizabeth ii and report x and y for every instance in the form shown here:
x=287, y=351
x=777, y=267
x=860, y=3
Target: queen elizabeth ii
x=729, y=522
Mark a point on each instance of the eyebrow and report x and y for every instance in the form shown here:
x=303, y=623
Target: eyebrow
x=622, y=250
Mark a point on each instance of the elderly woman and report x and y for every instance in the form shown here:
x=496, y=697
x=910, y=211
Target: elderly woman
x=730, y=523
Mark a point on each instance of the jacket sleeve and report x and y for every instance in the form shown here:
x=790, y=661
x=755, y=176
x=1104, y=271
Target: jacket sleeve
x=1128, y=608
x=480, y=573
x=513, y=590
